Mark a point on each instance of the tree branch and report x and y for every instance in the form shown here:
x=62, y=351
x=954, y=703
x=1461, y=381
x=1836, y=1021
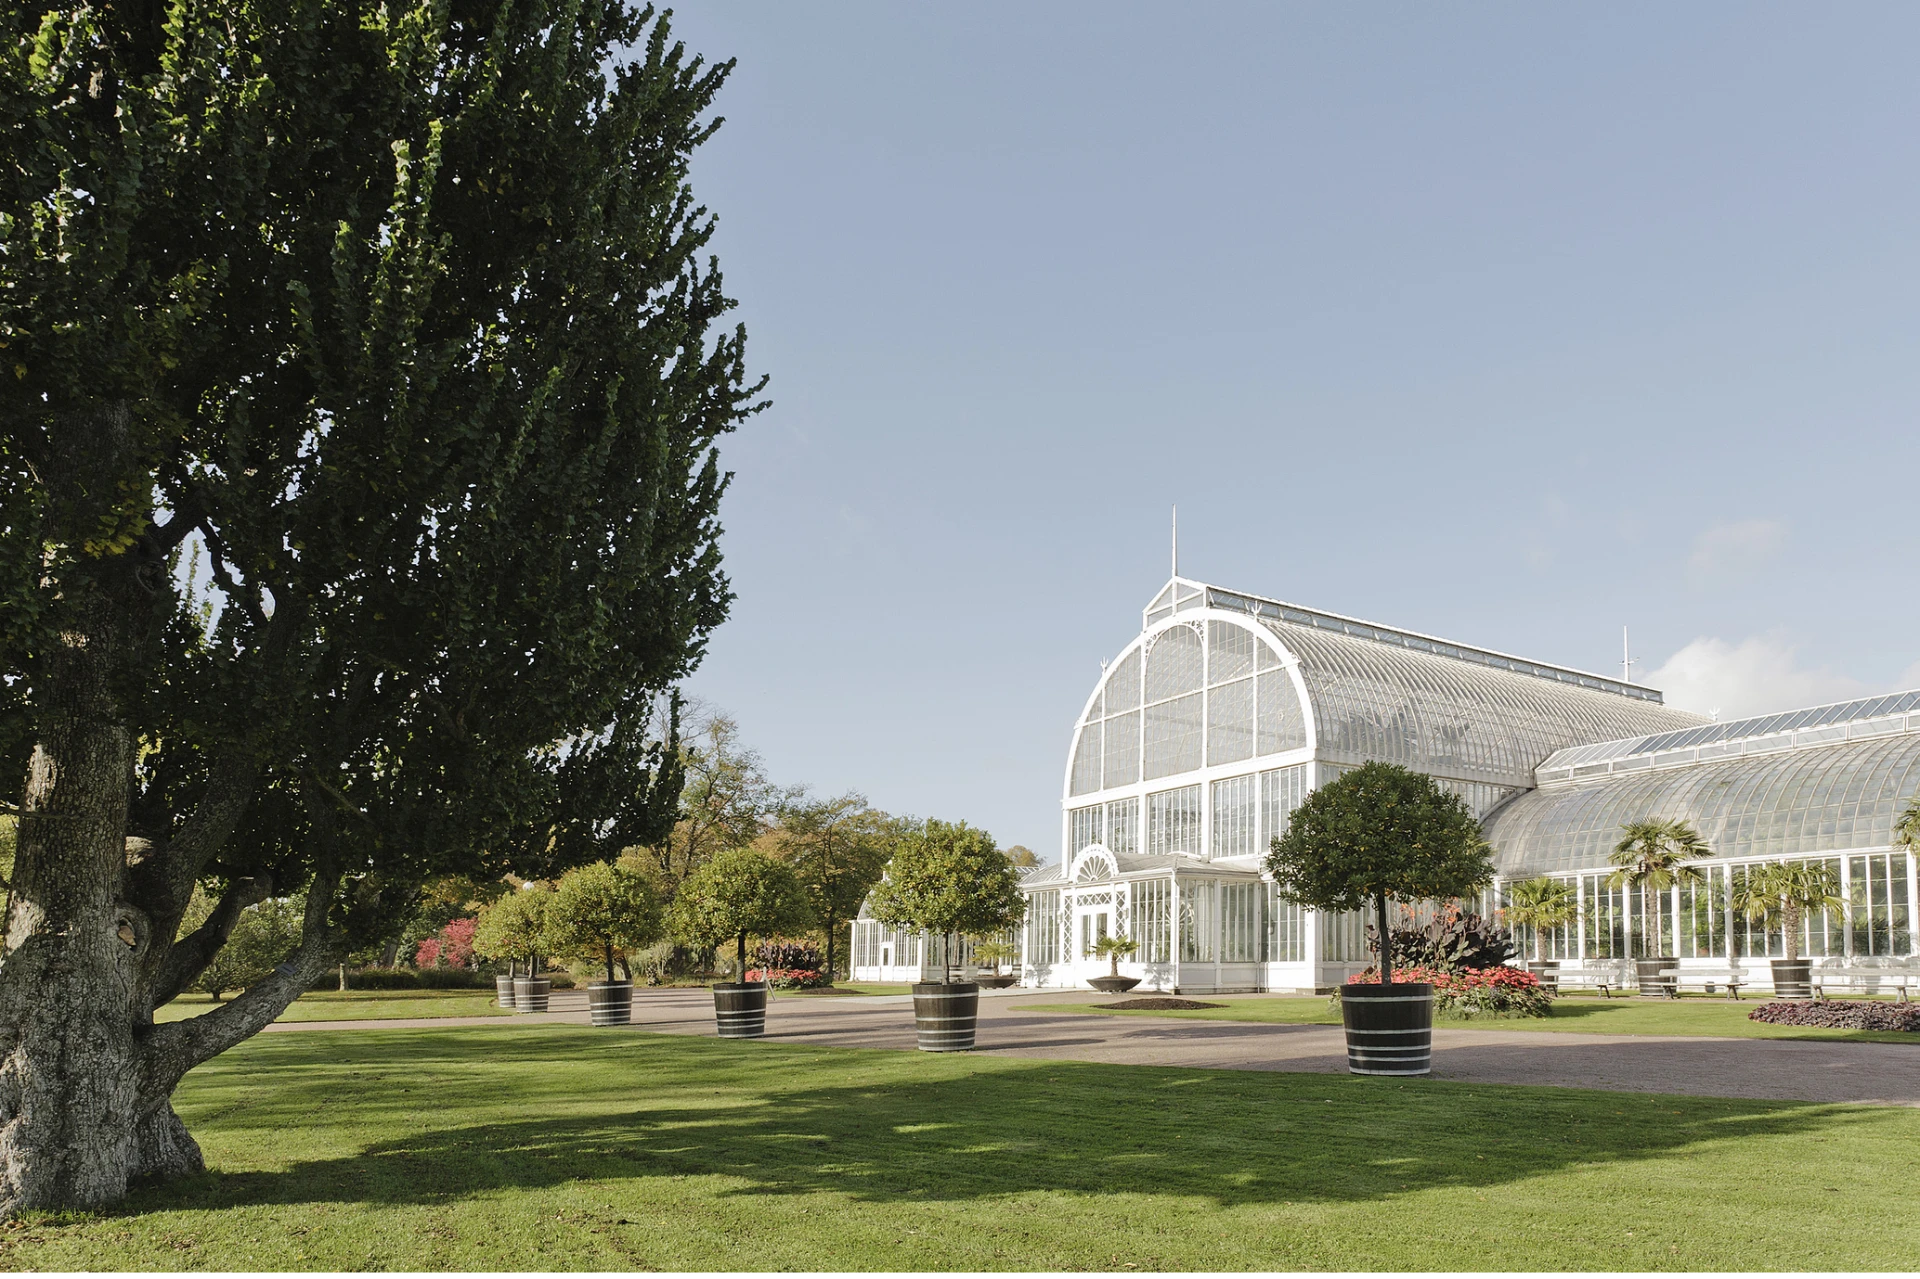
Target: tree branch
x=189, y=956
x=167, y=1052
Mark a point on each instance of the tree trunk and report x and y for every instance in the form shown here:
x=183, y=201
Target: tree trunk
x=741, y=974
x=1386, y=939
x=831, y=927
x=1790, y=929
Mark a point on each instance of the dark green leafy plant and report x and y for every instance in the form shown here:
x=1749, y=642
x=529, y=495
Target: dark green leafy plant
x=605, y=910
x=739, y=894
x=947, y=878
x=1451, y=942
x=1377, y=834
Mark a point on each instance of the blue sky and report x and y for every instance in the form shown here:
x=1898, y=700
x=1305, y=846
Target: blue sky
x=1509, y=323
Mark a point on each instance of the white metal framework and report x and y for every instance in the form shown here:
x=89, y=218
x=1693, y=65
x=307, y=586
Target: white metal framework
x=1211, y=726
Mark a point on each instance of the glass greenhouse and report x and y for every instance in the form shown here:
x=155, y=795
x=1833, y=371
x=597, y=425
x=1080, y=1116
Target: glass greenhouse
x=1209, y=728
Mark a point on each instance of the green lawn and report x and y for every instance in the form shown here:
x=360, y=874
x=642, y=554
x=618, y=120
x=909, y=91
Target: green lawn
x=854, y=988
x=561, y=1147
x=360, y=1005
x=1578, y=1014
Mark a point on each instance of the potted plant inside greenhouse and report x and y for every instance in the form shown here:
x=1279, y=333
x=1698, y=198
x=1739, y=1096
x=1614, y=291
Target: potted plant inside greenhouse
x=739, y=894
x=1652, y=856
x=514, y=929
x=948, y=879
x=1113, y=949
x=1540, y=906
x=604, y=912
x=1785, y=893
x=995, y=951
x=1382, y=833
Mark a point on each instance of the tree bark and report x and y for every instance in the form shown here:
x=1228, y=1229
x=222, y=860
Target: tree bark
x=1386, y=939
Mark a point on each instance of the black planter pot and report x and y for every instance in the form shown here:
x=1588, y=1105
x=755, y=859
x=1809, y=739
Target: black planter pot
x=503, y=991
x=999, y=981
x=1648, y=971
x=740, y=1009
x=1792, y=978
x=1113, y=985
x=1548, y=971
x=1389, y=1028
x=530, y=994
x=945, y=1015
x=610, y=1003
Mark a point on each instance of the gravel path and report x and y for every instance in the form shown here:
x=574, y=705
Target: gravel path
x=1771, y=1069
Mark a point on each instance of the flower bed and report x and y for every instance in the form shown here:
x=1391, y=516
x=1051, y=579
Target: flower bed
x=790, y=978
x=1839, y=1014
x=1478, y=992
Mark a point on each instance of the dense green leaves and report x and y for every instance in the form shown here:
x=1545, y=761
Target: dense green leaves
x=739, y=894
x=948, y=877
x=605, y=910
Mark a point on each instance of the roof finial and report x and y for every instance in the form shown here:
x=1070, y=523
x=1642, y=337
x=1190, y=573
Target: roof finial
x=1176, y=541
x=1626, y=659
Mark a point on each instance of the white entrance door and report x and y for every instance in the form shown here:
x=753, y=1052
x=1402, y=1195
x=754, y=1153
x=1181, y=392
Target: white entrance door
x=1093, y=923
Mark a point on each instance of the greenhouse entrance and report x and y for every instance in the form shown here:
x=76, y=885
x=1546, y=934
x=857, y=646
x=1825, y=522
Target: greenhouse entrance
x=1095, y=923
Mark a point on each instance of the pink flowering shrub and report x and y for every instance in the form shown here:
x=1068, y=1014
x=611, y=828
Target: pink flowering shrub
x=428, y=955
x=1478, y=992
x=451, y=947
x=790, y=978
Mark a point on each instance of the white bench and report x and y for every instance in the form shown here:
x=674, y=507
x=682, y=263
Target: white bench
x=1605, y=980
x=1732, y=978
x=1868, y=981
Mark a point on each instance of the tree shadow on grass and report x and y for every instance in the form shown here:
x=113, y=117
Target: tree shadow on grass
x=888, y=1126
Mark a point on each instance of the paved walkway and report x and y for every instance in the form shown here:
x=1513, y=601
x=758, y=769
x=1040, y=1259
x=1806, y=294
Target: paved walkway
x=1774, y=1069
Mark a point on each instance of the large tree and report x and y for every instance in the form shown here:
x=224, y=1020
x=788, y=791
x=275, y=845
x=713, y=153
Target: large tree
x=838, y=848
x=396, y=317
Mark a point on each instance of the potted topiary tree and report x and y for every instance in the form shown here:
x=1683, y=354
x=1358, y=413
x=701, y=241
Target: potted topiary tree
x=995, y=951
x=1784, y=893
x=737, y=895
x=515, y=929
x=1113, y=949
x=1651, y=856
x=605, y=910
x=1377, y=834
x=1542, y=905
x=947, y=879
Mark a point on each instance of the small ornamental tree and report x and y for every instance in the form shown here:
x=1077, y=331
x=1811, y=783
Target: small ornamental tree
x=1651, y=856
x=1541, y=904
x=605, y=910
x=1114, y=949
x=1377, y=834
x=1785, y=893
x=949, y=878
x=737, y=895
x=516, y=928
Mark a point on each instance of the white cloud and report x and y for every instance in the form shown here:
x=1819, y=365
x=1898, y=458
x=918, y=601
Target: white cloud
x=1736, y=547
x=1754, y=677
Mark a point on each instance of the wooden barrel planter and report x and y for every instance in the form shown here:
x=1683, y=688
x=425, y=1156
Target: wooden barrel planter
x=503, y=991
x=1652, y=984
x=740, y=1009
x=1792, y=978
x=530, y=994
x=610, y=1003
x=945, y=1015
x=1389, y=1028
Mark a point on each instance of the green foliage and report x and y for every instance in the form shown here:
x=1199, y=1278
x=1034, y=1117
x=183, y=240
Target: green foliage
x=604, y=910
x=1114, y=948
x=1651, y=856
x=994, y=951
x=262, y=938
x=948, y=877
x=517, y=927
x=1541, y=904
x=402, y=319
x=838, y=849
x=1784, y=893
x=1377, y=834
x=739, y=894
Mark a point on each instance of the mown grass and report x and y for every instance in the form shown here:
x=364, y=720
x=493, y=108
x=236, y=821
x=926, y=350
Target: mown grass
x=1577, y=1014
x=360, y=1005
x=559, y=1147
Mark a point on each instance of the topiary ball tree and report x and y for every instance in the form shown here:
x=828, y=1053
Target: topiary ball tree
x=736, y=895
x=1380, y=833
x=517, y=927
x=603, y=910
x=949, y=878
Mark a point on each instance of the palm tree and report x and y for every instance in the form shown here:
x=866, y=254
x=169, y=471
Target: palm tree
x=1786, y=891
x=1652, y=856
x=1113, y=949
x=1541, y=904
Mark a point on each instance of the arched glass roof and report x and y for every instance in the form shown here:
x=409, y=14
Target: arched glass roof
x=1449, y=717
x=1815, y=800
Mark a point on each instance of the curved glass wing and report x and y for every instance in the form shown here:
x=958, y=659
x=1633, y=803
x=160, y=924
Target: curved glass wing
x=1821, y=799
